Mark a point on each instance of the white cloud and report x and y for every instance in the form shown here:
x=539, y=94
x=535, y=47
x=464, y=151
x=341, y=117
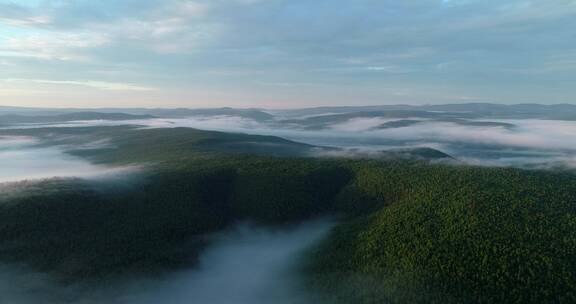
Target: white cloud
x=531, y=142
x=53, y=45
x=102, y=85
x=27, y=21
x=21, y=160
x=531, y=134
x=460, y=48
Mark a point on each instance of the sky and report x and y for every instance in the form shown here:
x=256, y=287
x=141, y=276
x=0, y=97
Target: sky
x=285, y=53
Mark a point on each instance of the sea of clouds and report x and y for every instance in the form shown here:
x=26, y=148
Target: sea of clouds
x=530, y=142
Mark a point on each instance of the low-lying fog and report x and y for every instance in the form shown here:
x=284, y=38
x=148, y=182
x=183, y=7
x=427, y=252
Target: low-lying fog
x=245, y=265
x=529, y=142
x=250, y=265
x=22, y=159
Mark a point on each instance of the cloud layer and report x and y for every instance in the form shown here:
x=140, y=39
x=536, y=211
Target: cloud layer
x=21, y=159
x=530, y=142
x=286, y=53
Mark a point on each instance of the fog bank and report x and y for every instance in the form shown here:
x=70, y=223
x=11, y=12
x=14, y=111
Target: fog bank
x=245, y=265
x=528, y=142
x=21, y=159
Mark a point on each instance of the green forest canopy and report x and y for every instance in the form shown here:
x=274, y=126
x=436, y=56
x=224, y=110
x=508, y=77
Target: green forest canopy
x=409, y=232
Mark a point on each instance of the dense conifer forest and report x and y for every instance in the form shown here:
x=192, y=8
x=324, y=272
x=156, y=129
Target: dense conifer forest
x=410, y=230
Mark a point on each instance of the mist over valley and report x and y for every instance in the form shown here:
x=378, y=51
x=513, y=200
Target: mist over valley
x=229, y=206
x=287, y=152
x=519, y=138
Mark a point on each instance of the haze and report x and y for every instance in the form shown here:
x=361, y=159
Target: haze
x=528, y=142
x=285, y=53
x=287, y=151
x=254, y=265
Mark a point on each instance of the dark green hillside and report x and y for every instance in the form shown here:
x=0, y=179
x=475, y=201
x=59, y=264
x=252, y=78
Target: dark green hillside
x=324, y=121
x=454, y=235
x=131, y=144
x=483, y=110
x=461, y=122
x=164, y=145
x=75, y=231
x=399, y=124
x=419, y=154
x=253, y=114
x=476, y=123
x=410, y=231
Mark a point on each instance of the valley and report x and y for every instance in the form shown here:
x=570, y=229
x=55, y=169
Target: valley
x=409, y=229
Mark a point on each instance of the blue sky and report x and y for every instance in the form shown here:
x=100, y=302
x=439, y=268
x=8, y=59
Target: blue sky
x=285, y=53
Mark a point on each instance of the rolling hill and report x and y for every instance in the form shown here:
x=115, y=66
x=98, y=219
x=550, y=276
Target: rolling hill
x=77, y=116
x=409, y=231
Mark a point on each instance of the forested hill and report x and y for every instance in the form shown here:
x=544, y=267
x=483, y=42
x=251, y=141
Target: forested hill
x=409, y=231
x=77, y=116
x=133, y=144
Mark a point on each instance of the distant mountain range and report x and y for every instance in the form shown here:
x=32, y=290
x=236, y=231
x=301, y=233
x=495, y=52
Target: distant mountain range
x=468, y=110
x=79, y=116
x=254, y=114
x=462, y=122
x=488, y=110
x=398, y=116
